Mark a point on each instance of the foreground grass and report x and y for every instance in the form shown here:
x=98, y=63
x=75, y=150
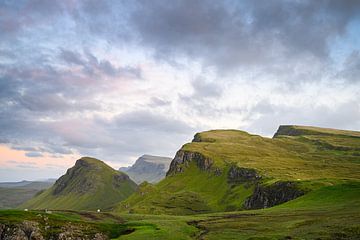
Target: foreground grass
x=160, y=227
x=331, y=212
x=52, y=224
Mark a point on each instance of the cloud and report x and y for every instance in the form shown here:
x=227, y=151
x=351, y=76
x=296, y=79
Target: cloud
x=33, y=154
x=351, y=68
x=20, y=162
x=144, y=120
x=205, y=89
x=24, y=148
x=125, y=135
x=17, y=18
x=117, y=79
x=158, y=102
x=92, y=66
x=343, y=116
x=235, y=35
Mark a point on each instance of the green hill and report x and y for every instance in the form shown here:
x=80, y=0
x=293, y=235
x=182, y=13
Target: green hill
x=228, y=170
x=89, y=185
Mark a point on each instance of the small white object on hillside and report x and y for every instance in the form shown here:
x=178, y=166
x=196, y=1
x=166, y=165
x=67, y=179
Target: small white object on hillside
x=98, y=210
x=26, y=210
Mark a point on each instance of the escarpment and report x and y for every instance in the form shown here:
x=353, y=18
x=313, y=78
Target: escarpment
x=275, y=194
x=184, y=158
x=238, y=175
x=262, y=197
x=230, y=170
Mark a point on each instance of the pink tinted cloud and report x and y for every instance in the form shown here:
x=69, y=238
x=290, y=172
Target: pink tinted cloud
x=11, y=158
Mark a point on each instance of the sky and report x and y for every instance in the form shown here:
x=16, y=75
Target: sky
x=118, y=79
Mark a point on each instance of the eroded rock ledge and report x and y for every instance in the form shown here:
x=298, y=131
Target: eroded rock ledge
x=239, y=175
x=275, y=194
x=183, y=158
x=264, y=196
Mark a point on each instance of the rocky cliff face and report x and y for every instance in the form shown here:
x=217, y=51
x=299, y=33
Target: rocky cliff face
x=288, y=130
x=238, y=175
x=262, y=197
x=268, y=196
x=183, y=158
x=148, y=168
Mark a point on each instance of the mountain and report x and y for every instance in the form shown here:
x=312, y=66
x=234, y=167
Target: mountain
x=89, y=185
x=148, y=168
x=229, y=170
x=15, y=193
x=37, y=185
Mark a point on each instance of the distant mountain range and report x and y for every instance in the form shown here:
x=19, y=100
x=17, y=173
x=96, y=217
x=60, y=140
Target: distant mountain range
x=148, y=168
x=13, y=194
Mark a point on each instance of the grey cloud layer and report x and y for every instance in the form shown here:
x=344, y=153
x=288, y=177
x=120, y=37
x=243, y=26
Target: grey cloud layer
x=54, y=85
x=232, y=34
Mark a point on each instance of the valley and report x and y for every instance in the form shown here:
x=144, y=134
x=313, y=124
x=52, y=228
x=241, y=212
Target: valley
x=304, y=183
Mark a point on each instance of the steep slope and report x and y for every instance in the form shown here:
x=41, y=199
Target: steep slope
x=148, y=168
x=89, y=185
x=223, y=170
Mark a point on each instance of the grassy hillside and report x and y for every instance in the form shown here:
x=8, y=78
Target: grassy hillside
x=89, y=185
x=212, y=180
x=330, y=212
x=201, y=178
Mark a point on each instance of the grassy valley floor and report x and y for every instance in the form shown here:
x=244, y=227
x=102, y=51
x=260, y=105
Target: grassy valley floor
x=331, y=212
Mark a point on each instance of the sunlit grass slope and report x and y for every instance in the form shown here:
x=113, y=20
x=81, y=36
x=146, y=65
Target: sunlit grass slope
x=330, y=212
x=89, y=185
x=307, y=155
x=311, y=157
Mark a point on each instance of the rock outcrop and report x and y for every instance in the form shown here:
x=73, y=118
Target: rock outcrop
x=184, y=158
x=31, y=230
x=268, y=196
x=288, y=130
x=239, y=175
x=24, y=231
